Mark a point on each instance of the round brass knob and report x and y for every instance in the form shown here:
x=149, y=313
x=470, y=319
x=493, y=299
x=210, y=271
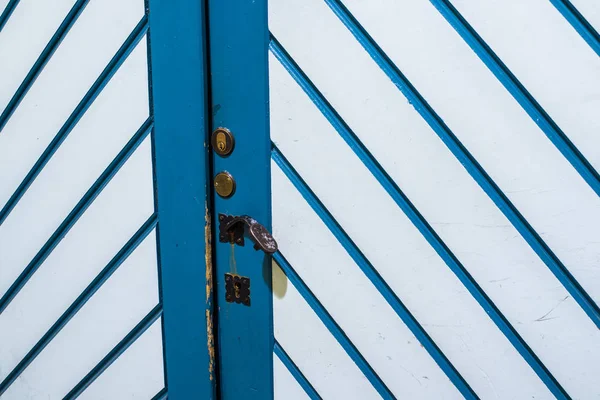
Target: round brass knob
x=224, y=184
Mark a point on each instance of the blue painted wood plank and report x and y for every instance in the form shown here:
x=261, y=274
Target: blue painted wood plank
x=579, y=23
x=7, y=12
x=239, y=41
x=161, y=395
x=178, y=74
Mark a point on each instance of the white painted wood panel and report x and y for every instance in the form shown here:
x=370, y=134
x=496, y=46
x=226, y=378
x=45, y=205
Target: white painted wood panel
x=315, y=351
x=107, y=225
x=551, y=60
x=501, y=136
x=109, y=315
x=517, y=155
x=353, y=302
x=96, y=36
x=286, y=386
x=401, y=255
x=109, y=222
x=108, y=125
x=23, y=38
x=136, y=374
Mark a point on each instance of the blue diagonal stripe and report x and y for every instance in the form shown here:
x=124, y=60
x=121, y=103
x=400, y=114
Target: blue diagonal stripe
x=75, y=214
x=469, y=163
x=7, y=12
x=295, y=371
x=127, y=47
x=81, y=300
x=333, y=327
x=417, y=219
x=40, y=63
x=161, y=395
x=579, y=23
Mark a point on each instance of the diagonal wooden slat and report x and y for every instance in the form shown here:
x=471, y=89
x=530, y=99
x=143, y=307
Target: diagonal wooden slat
x=161, y=395
x=7, y=12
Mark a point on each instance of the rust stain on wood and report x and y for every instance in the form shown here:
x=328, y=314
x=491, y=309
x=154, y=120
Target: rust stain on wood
x=209, y=292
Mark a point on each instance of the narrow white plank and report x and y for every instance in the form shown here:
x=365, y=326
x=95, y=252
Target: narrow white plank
x=590, y=9
x=23, y=38
x=551, y=60
x=333, y=374
x=136, y=374
x=104, y=228
x=91, y=43
x=285, y=385
x=99, y=136
x=109, y=315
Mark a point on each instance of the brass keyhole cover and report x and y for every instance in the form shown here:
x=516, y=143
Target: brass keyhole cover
x=222, y=141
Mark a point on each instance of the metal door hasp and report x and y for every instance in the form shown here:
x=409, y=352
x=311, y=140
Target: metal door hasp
x=232, y=229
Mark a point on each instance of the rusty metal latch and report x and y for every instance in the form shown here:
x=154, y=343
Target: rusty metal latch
x=237, y=289
x=233, y=228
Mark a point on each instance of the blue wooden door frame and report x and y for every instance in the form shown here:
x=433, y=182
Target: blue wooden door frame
x=230, y=39
x=239, y=39
x=177, y=43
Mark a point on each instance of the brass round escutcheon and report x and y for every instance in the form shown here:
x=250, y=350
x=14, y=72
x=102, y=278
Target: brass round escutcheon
x=222, y=141
x=224, y=184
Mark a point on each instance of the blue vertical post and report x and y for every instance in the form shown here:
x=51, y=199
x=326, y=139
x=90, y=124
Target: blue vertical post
x=239, y=39
x=179, y=102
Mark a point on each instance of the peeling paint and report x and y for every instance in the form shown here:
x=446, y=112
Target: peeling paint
x=211, y=345
x=208, y=254
x=209, y=292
